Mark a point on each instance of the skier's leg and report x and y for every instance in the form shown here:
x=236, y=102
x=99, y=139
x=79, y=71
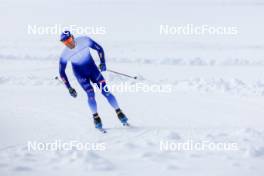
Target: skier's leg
x=98, y=78
x=91, y=100
x=84, y=81
x=87, y=87
x=112, y=101
x=108, y=95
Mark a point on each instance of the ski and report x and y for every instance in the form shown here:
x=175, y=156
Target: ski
x=126, y=124
x=102, y=130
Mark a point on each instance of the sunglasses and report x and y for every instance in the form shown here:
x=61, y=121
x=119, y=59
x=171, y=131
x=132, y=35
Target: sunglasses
x=68, y=41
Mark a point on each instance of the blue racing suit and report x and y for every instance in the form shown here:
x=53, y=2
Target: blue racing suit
x=85, y=70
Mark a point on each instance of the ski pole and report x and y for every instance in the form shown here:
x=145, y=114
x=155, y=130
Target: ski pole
x=57, y=78
x=123, y=74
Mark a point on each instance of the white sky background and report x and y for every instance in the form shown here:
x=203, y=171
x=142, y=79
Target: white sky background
x=132, y=27
x=136, y=20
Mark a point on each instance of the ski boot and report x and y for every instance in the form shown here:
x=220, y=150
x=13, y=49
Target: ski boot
x=97, y=121
x=122, y=117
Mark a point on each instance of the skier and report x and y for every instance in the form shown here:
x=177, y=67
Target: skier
x=85, y=70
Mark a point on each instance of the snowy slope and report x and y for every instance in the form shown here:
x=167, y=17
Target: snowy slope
x=38, y=108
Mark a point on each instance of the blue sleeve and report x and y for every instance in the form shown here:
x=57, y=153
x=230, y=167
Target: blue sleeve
x=63, y=75
x=98, y=48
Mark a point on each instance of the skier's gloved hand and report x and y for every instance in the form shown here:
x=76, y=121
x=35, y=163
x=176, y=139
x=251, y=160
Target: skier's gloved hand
x=102, y=67
x=73, y=92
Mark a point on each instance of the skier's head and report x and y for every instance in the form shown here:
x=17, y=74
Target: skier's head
x=68, y=39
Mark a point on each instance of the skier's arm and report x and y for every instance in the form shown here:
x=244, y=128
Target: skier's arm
x=99, y=49
x=63, y=75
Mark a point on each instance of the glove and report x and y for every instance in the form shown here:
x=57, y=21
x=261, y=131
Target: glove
x=102, y=67
x=73, y=92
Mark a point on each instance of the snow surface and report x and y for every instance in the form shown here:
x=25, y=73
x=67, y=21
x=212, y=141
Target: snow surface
x=218, y=90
